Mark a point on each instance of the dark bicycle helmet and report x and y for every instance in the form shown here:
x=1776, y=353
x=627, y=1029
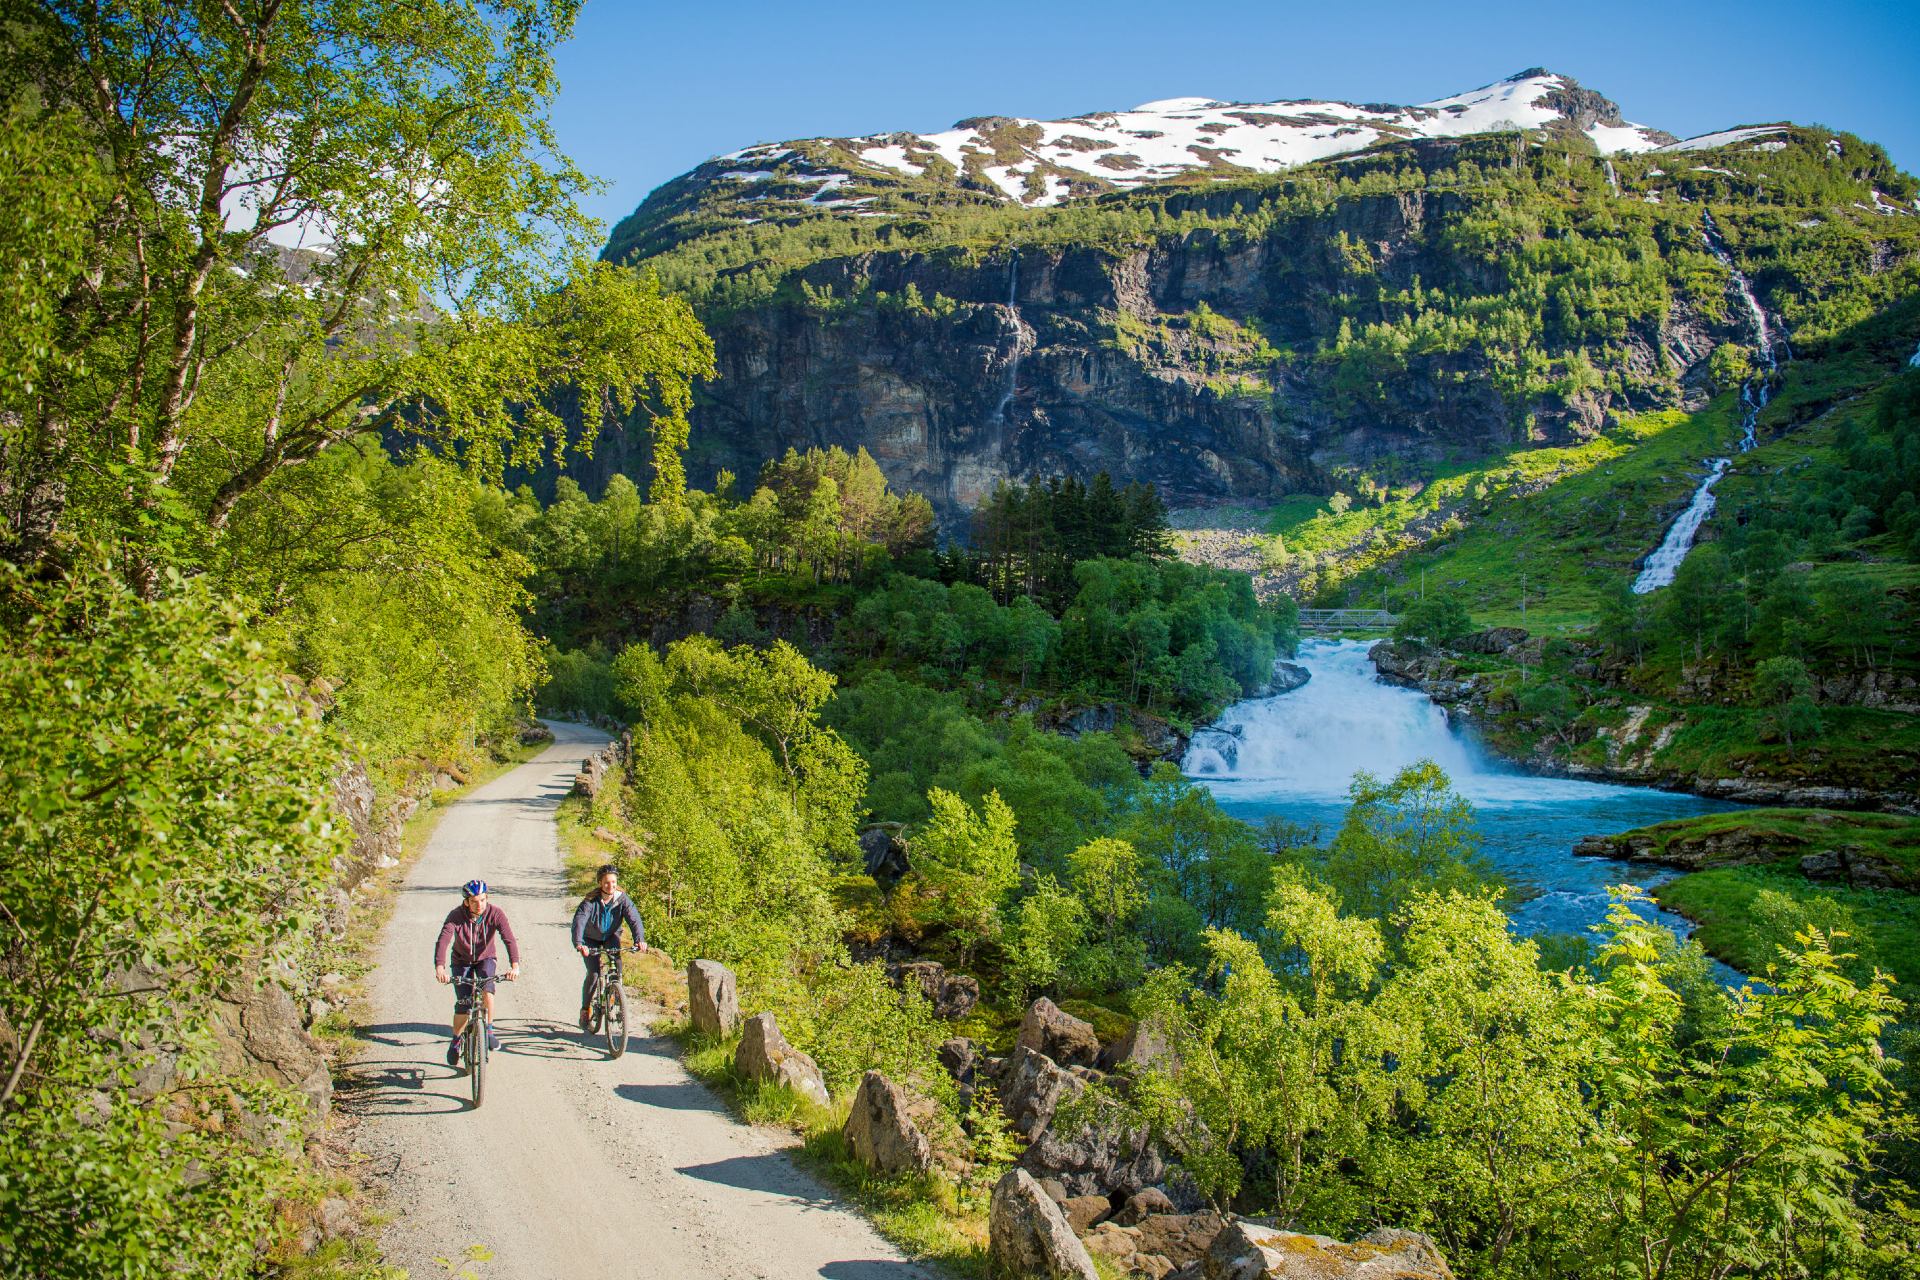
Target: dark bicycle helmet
x=474, y=888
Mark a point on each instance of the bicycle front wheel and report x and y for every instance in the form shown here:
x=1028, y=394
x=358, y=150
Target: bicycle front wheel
x=616, y=1020
x=477, y=1058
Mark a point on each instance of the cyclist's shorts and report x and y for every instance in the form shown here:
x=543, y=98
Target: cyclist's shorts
x=464, y=973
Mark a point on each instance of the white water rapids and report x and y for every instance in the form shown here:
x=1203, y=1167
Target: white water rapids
x=1294, y=756
x=1660, y=566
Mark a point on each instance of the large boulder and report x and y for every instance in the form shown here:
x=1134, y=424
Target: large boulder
x=952, y=995
x=1032, y=1087
x=1027, y=1235
x=713, y=998
x=1144, y=1045
x=1066, y=1039
x=1287, y=676
x=765, y=1055
x=881, y=1131
x=1248, y=1251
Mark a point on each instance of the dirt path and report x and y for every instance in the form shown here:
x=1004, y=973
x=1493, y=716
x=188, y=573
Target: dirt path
x=577, y=1166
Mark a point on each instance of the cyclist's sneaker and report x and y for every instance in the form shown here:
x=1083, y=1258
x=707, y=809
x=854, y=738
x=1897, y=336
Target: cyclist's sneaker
x=453, y=1052
x=493, y=1041
x=586, y=1020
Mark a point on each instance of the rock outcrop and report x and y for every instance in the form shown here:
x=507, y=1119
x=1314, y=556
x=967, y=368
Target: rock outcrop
x=764, y=1055
x=713, y=998
x=1247, y=1251
x=1028, y=1235
x=881, y=1131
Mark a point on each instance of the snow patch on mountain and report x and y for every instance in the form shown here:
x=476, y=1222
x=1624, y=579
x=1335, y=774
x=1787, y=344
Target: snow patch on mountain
x=1041, y=163
x=1725, y=138
x=1037, y=161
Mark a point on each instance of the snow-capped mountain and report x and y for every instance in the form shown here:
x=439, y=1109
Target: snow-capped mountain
x=1042, y=162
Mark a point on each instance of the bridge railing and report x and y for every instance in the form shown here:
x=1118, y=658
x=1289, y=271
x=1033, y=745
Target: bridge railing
x=1347, y=620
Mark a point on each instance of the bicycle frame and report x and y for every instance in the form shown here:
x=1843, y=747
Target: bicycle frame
x=478, y=1025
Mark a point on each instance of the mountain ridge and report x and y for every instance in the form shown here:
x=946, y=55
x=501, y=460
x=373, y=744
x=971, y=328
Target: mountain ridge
x=1018, y=160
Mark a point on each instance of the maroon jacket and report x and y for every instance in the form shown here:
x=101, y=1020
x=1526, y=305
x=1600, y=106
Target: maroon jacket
x=472, y=936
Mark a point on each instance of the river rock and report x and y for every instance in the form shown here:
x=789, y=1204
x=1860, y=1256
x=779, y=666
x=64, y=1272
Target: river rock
x=881, y=1131
x=1408, y=665
x=1032, y=1087
x=1028, y=1235
x=713, y=999
x=1247, y=1251
x=1066, y=1039
x=1287, y=676
x=765, y=1055
x=952, y=995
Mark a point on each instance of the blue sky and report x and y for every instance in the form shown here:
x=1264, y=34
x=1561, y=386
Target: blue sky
x=649, y=90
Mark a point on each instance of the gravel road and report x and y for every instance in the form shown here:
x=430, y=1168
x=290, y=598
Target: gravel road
x=577, y=1166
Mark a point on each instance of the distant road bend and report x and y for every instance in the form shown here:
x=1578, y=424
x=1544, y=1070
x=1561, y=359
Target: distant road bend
x=577, y=1166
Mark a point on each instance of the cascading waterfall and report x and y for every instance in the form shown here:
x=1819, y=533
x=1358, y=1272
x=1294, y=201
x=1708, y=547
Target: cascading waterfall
x=1613, y=180
x=1341, y=721
x=1293, y=757
x=1019, y=342
x=1664, y=562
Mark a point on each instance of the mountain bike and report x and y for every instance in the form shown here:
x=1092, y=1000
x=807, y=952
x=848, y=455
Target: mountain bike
x=478, y=1024
x=607, y=1007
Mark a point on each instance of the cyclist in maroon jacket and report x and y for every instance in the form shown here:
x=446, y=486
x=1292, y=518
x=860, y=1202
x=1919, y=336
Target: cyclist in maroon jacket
x=469, y=930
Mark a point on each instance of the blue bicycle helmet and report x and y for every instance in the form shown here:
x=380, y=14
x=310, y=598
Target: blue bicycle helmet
x=474, y=888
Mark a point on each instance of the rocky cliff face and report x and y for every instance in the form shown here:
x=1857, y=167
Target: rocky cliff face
x=1074, y=360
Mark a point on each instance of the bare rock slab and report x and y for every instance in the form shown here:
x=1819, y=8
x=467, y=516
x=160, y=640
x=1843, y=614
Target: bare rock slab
x=713, y=998
x=881, y=1131
x=1028, y=1235
x=765, y=1055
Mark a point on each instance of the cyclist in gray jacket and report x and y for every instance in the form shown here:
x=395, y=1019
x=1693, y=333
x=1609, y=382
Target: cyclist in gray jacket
x=596, y=923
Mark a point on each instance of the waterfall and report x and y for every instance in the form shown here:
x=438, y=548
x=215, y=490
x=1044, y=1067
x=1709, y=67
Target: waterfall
x=1019, y=344
x=1659, y=567
x=1341, y=721
x=1613, y=179
x=1710, y=232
